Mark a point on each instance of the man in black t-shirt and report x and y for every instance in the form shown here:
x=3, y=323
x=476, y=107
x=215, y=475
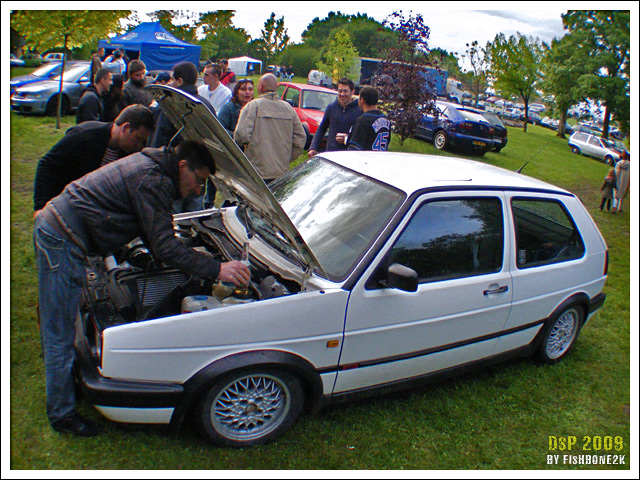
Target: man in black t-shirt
x=371, y=130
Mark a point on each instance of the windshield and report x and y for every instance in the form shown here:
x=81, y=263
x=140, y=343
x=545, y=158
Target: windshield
x=47, y=70
x=73, y=72
x=317, y=100
x=338, y=212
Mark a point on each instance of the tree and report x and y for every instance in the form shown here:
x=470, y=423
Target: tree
x=212, y=22
x=368, y=36
x=46, y=29
x=274, y=36
x=186, y=30
x=301, y=57
x=221, y=38
x=406, y=93
x=607, y=34
x=446, y=61
x=515, y=67
x=563, y=64
x=477, y=76
x=340, y=58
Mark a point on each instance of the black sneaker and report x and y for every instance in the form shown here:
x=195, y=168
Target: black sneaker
x=76, y=425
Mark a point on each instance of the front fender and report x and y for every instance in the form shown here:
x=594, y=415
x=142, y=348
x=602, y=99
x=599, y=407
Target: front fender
x=197, y=385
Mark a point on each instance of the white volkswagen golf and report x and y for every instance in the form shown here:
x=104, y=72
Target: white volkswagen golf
x=370, y=271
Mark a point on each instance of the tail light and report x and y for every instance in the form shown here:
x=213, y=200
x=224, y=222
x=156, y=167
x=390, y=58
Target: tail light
x=606, y=262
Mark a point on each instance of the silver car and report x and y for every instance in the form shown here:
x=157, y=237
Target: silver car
x=593, y=146
x=42, y=97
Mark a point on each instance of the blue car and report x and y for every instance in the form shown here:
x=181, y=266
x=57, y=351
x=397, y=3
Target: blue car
x=457, y=127
x=45, y=72
x=42, y=97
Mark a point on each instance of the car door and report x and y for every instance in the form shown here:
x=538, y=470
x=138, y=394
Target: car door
x=548, y=261
x=594, y=147
x=456, y=244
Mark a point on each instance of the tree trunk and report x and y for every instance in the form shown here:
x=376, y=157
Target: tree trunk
x=526, y=112
x=562, y=123
x=605, y=122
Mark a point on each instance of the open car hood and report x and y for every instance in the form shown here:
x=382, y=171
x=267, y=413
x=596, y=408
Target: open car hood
x=235, y=177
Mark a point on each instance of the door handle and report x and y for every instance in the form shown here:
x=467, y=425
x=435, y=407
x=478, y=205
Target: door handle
x=502, y=289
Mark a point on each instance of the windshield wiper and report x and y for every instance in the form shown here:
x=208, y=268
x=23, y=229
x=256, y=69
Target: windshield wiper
x=256, y=224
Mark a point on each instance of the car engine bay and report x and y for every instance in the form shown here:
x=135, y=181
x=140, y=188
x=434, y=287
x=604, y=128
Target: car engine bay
x=133, y=286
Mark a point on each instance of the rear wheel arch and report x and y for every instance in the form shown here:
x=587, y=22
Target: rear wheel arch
x=201, y=382
x=580, y=302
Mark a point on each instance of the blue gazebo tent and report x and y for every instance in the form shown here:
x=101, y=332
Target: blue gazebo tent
x=155, y=46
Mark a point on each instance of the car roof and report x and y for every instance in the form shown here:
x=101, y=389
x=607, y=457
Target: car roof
x=412, y=172
x=303, y=86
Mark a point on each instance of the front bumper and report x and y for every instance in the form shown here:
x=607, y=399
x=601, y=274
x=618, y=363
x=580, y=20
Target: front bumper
x=28, y=105
x=107, y=392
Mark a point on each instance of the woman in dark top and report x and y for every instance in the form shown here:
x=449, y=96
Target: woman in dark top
x=229, y=113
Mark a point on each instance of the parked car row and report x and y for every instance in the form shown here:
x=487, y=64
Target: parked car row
x=357, y=276
x=35, y=59
x=552, y=124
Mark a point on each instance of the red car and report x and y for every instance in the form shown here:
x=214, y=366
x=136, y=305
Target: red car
x=309, y=102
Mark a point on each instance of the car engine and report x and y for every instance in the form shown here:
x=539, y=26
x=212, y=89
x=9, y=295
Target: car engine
x=133, y=286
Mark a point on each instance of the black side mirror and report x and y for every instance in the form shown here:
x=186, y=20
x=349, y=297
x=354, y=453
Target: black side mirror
x=403, y=278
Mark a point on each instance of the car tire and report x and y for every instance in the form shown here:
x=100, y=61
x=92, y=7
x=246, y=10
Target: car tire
x=440, y=140
x=608, y=160
x=52, y=107
x=250, y=407
x=560, y=335
x=575, y=150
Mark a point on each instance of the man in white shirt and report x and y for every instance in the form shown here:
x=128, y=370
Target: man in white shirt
x=213, y=90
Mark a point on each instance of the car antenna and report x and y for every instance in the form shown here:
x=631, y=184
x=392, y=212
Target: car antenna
x=527, y=162
x=522, y=167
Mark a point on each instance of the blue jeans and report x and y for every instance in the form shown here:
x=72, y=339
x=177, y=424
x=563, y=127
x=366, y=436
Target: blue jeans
x=60, y=266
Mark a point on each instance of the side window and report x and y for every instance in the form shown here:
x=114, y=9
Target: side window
x=292, y=97
x=594, y=141
x=545, y=233
x=280, y=90
x=452, y=238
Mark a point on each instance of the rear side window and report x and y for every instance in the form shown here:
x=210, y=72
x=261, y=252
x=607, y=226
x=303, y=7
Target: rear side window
x=581, y=137
x=594, y=141
x=545, y=233
x=453, y=238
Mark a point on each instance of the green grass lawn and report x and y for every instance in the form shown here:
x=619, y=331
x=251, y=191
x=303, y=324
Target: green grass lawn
x=497, y=418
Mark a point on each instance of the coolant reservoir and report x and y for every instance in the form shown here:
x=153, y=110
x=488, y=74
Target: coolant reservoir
x=198, y=303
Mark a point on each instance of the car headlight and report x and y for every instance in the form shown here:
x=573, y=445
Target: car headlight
x=33, y=95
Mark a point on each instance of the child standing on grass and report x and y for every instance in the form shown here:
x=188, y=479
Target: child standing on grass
x=607, y=189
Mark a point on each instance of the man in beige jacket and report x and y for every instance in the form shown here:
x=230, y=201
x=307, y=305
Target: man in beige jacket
x=270, y=131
